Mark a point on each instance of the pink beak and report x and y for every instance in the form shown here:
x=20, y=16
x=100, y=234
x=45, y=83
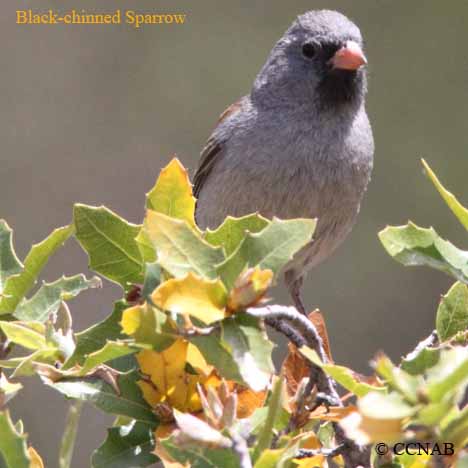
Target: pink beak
x=349, y=57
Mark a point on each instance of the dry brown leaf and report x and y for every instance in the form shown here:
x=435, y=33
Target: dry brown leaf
x=317, y=319
x=295, y=368
x=332, y=413
x=248, y=400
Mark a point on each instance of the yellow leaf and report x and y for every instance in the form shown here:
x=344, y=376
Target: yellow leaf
x=197, y=361
x=165, y=368
x=131, y=320
x=36, y=460
x=249, y=288
x=311, y=462
x=148, y=325
x=194, y=296
x=310, y=441
x=364, y=429
x=172, y=194
x=150, y=393
x=170, y=382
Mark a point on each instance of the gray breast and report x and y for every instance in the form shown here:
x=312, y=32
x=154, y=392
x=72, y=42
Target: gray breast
x=288, y=171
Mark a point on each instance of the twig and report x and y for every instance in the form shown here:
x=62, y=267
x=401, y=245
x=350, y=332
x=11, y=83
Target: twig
x=197, y=331
x=242, y=450
x=298, y=326
x=329, y=453
x=4, y=348
x=266, y=435
x=300, y=323
x=300, y=331
x=288, y=331
x=353, y=454
x=430, y=341
x=69, y=436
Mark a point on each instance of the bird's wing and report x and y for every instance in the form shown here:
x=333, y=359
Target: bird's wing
x=211, y=152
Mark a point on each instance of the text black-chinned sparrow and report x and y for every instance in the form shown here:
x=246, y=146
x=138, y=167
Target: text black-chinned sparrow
x=299, y=145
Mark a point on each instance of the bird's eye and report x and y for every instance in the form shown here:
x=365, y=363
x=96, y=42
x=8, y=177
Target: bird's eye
x=308, y=50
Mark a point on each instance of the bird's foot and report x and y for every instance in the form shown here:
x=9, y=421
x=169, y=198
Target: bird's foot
x=299, y=304
x=294, y=287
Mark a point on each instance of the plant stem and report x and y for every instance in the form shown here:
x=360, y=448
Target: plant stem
x=242, y=451
x=300, y=330
x=266, y=435
x=69, y=435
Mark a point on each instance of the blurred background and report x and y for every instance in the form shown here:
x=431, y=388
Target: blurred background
x=91, y=113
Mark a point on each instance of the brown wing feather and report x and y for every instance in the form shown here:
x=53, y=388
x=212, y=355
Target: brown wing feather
x=209, y=153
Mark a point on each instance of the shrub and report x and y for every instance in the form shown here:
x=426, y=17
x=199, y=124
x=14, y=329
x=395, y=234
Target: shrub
x=184, y=362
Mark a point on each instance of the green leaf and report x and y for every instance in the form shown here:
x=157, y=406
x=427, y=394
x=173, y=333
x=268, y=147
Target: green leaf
x=274, y=406
x=380, y=406
x=415, y=246
x=129, y=402
x=433, y=413
x=422, y=358
x=111, y=350
x=257, y=420
x=49, y=297
x=417, y=364
x=7, y=390
x=30, y=335
x=269, y=249
x=95, y=337
x=250, y=348
x=326, y=434
x=411, y=460
x=269, y=458
x=180, y=248
x=152, y=279
x=110, y=243
x=449, y=376
x=11, y=363
x=18, y=285
x=456, y=430
x=240, y=351
x=462, y=462
x=233, y=230
x=26, y=365
x=347, y=378
x=201, y=457
x=398, y=379
x=9, y=263
x=452, y=314
x=145, y=246
x=13, y=445
x=126, y=446
x=217, y=353
x=457, y=208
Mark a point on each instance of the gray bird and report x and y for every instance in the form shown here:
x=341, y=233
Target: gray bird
x=299, y=145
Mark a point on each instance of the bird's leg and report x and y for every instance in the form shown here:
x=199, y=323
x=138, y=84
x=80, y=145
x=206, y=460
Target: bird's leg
x=294, y=286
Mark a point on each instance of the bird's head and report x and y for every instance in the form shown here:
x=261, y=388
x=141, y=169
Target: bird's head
x=319, y=60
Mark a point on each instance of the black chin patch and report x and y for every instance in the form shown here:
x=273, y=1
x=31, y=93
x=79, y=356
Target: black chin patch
x=339, y=87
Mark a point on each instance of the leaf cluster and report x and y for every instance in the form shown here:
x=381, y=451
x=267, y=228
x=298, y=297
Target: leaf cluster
x=184, y=362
